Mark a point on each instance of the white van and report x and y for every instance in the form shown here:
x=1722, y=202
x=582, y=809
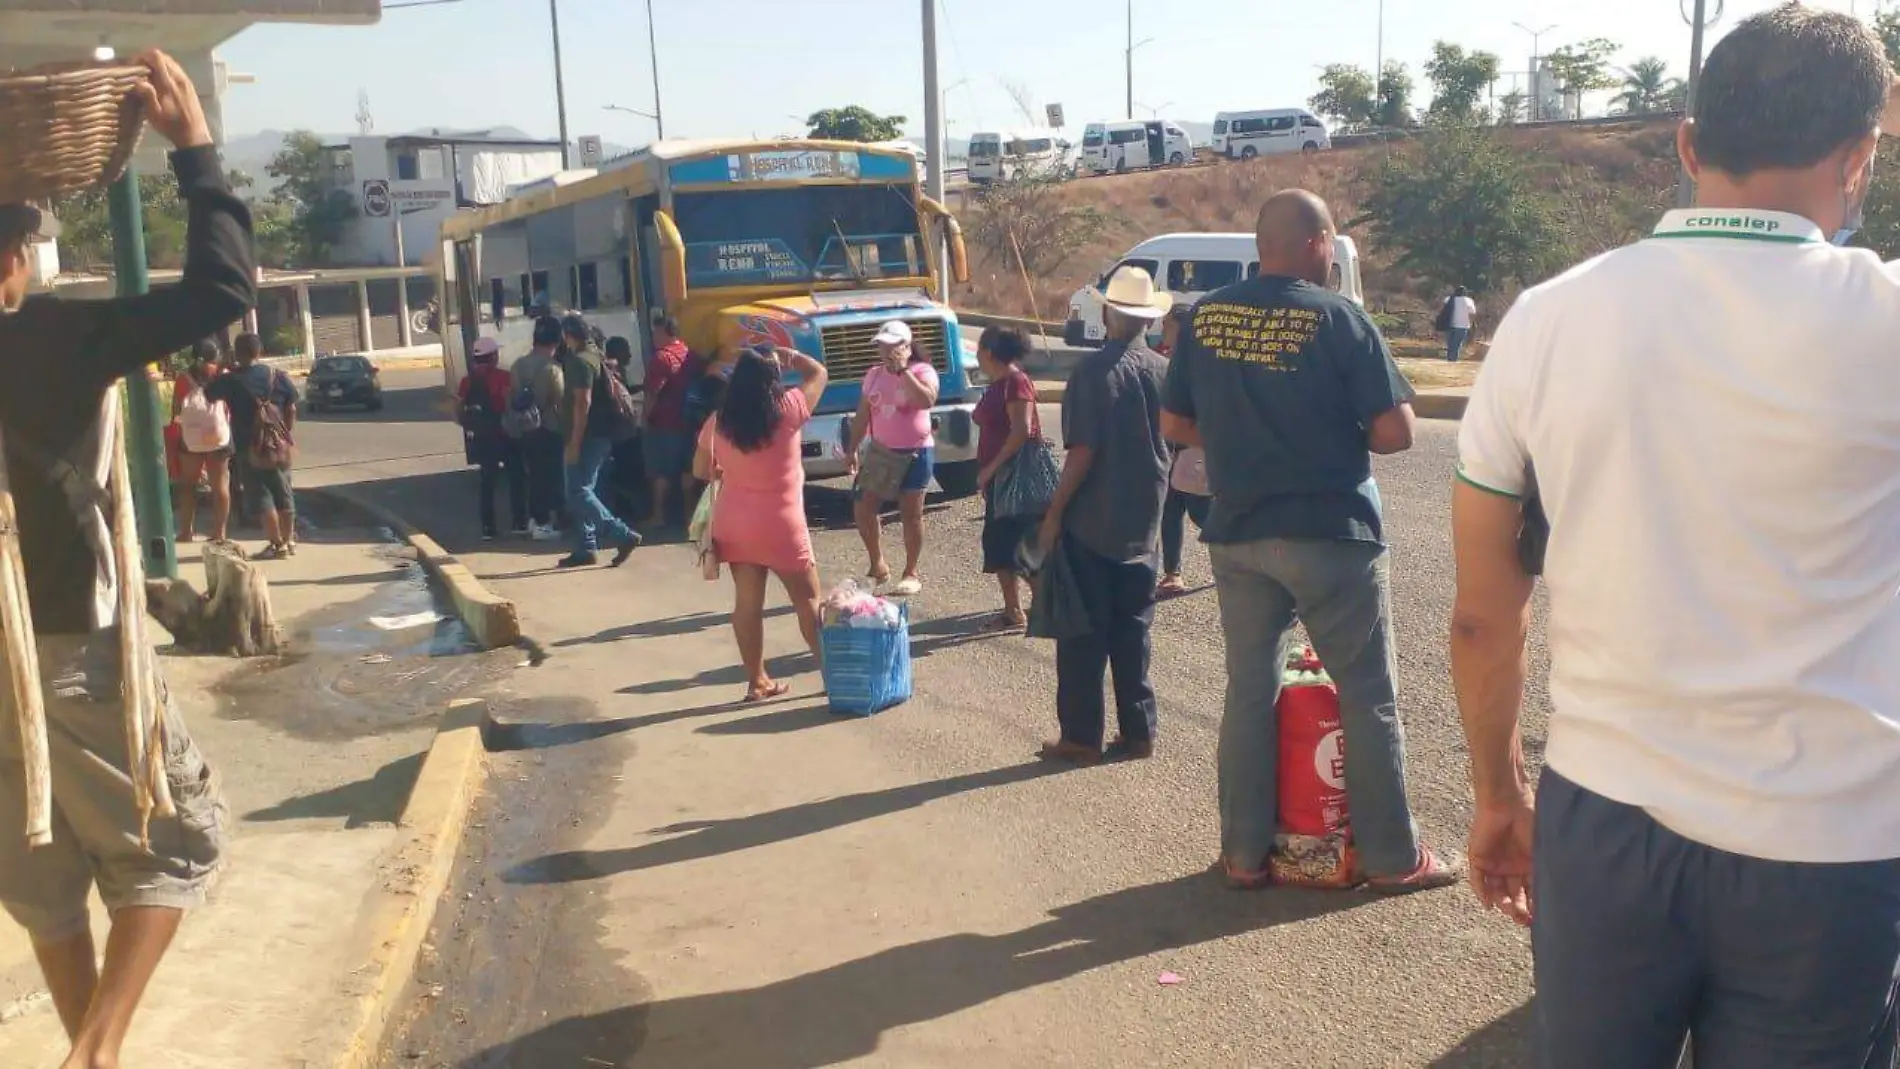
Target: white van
x=1115, y=147
x=1012, y=154
x=1192, y=265
x=1242, y=135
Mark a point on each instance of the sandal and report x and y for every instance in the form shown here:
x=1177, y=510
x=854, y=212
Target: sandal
x=1242, y=879
x=1003, y=623
x=1430, y=875
x=1170, y=586
x=775, y=690
x=908, y=587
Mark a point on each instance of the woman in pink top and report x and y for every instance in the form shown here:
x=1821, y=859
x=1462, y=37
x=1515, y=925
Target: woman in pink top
x=894, y=411
x=751, y=448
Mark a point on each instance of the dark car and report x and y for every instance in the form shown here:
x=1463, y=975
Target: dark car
x=343, y=380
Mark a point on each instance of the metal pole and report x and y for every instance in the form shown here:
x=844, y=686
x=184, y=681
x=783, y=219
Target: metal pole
x=560, y=90
x=1685, y=185
x=1130, y=57
x=144, y=429
x=1378, y=62
x=653, y=52
x=933, y=136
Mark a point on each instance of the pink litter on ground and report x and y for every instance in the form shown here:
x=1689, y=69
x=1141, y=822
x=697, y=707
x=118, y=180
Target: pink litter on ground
x=1168, y=979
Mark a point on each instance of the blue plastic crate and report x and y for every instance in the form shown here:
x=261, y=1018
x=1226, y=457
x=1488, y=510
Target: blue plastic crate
x=867, y=670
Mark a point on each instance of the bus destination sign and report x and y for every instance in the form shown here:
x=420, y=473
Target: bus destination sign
x=790, y=165
x=729, y=262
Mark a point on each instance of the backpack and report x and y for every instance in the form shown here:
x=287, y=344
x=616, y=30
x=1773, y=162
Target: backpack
x=1443, y=322
x=524, y=414
x=204, y=424
x=270, y=446
x=478, y=409
x=626, y=416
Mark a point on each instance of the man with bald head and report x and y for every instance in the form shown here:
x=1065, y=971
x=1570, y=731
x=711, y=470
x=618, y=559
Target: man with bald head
x=1289, y=388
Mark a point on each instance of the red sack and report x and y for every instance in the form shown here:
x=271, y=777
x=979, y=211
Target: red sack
x=1313, y=846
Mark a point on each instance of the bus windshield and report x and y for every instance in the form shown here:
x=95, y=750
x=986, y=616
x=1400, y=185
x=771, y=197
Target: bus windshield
x=800, y=234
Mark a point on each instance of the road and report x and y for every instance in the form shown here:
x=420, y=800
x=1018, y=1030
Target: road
x=663, y=877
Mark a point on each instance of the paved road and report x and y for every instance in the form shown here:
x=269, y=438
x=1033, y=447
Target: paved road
x=666, y=878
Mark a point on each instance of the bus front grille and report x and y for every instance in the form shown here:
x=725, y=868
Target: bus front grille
x=851, y=349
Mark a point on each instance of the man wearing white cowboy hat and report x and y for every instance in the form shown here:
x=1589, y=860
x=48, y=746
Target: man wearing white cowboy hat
x=1105, y=519
x=894, y=412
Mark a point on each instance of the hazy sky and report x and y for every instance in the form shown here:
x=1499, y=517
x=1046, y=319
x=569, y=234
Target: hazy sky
x=737, y=67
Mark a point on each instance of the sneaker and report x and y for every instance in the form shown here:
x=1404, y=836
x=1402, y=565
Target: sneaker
x=290, y=549
x=621, y=554
x=271, y=552
x=578, y=560
x=520, y=532
x=488, y=536
x=544, y=532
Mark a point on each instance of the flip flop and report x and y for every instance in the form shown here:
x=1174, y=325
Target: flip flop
x=1430, y=875
x=776, y=690
x=1003, y=623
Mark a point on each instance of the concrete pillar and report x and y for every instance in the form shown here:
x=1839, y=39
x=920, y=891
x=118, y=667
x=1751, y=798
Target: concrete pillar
x=364, y=334
x=250, y=321
x=404, y=335
x=306, y=321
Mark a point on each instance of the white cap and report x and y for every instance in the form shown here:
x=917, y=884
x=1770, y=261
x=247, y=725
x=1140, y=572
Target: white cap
x=484, y=347
x=896, y=332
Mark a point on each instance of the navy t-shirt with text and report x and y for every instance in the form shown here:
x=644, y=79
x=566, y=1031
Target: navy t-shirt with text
x=1283, y=378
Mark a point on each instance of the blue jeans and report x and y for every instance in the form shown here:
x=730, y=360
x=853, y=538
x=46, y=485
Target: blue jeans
x=1642, y=938
x=1455, y=338
x=1341, y=592
x=593, y=521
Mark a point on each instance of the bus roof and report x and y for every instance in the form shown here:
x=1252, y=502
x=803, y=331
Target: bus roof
x=644, y=167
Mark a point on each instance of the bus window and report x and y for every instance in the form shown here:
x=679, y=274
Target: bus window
x=625, y=267
x=588, y=276
x=1150, y=266
x=798, y=234
x=499, y=300
x=1200, y=276
x=1127, y=137
x=1092, y=139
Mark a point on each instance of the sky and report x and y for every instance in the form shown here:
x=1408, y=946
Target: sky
x=478, y=63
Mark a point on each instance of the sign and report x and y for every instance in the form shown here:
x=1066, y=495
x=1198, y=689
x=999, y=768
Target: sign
x=790, y=165
x=376, y=198
x=1055, y=116
x=411, y=201
x=739, y=262
x=591, y=151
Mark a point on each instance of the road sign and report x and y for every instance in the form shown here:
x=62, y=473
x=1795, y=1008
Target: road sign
x=591, y=151
x=1055, y=116
x=376, y=197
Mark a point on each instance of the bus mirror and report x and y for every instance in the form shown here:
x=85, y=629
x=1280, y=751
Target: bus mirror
x=953, y=237
x=672, y=260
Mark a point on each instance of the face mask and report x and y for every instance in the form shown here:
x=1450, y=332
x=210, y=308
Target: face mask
x=1855, y=212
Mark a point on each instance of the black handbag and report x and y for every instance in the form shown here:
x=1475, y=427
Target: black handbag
x=1534, y=536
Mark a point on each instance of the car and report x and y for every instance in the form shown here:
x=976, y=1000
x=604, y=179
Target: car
x=343, y=380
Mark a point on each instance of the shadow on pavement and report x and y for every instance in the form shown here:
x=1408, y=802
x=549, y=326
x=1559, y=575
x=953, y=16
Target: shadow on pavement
x=689, y=624
x=1503, y=1044
x=731, y=675
x=843, y=1012
x=697, y=839
x=779, y=721
x=376, y=800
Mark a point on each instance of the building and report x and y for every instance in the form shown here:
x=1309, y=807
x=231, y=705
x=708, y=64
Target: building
x=404, y=186
x=1548, y=98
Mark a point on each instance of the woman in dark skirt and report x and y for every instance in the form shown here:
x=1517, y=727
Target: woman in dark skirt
x=1007, y=420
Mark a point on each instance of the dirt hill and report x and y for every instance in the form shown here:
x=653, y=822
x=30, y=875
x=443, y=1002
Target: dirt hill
x=1609, y=184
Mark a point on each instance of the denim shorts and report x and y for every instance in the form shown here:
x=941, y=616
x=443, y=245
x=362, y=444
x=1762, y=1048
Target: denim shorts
x=923, y=468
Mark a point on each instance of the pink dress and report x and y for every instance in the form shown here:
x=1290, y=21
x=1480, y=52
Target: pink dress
x=760, y=515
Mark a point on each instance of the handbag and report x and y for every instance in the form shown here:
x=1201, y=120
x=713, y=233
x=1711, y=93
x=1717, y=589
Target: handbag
x=701, y=528
x=881, y=470
x=1027, y=483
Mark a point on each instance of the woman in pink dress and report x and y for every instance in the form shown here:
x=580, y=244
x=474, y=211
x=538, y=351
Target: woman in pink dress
x=751, y=448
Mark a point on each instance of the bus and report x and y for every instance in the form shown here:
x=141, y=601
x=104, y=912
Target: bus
x=800, y=243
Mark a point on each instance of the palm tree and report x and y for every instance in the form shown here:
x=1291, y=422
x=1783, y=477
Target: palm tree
x=1647, y=88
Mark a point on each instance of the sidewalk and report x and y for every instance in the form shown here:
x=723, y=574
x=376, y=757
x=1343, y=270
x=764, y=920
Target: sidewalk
x=317, y=753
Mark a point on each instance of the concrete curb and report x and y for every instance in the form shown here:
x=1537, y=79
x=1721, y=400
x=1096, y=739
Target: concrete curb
x=413, y=877
x=1430, y=404
x=489, y=617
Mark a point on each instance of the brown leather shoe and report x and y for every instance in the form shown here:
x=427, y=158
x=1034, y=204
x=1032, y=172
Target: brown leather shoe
x=1073, y=752
x=1127, y=750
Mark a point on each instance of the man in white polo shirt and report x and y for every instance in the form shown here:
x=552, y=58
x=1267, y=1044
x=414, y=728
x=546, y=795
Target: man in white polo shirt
x=1713, y=418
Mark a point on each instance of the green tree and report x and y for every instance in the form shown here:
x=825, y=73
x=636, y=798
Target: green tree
x=1395, y=97
x=1881, y=228
x=1460, y=208
x=1511, y=108
x=855, y=124
x=1458, y=79
x=1346, y=96
x=1583, y=67
x=1887, y=25
x=85, y=240
x=1647, y=88
x=318, y=211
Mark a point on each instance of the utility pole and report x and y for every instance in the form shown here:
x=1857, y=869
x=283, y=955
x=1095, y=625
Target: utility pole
x=1378, y=63
x=933, y=138
x=653, y=52
x=560, y=90
x=1130, y=57
x=144, y=429
x=1698, y=22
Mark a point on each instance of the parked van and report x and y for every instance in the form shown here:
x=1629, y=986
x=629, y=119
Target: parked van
x=1192, y=265
x=1001, y=157
x=1242, y=135
x=1115, y=147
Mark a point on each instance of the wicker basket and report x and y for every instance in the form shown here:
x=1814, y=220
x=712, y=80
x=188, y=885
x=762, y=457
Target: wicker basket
x=67, y=127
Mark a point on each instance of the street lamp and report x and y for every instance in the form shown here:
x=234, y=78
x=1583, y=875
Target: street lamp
x=653, y=55
x=1130, y=56
x=943, y=98
x=654, y=115
x=1537, y=97
x=1153, y=111
x=1698, y=22
x=560, y=90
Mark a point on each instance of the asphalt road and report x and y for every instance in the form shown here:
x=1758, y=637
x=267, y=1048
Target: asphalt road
x=667, y=879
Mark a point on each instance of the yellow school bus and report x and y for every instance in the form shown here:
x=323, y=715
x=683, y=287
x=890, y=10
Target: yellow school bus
x=805, y=244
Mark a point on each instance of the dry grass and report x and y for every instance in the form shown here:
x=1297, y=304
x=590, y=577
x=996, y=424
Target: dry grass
x=1432, y=373
x=1611, y=181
